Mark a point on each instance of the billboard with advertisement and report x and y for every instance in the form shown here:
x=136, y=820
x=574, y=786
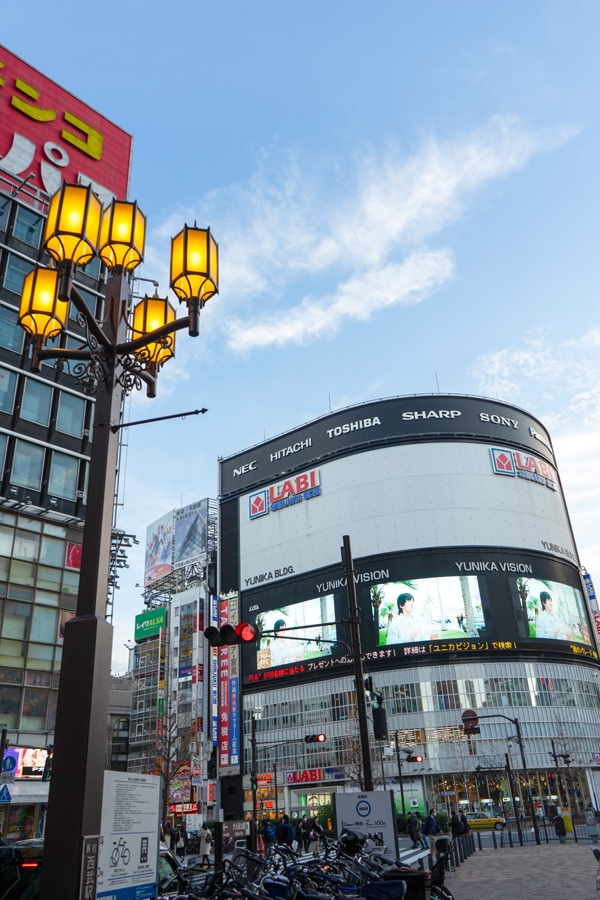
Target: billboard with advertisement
x=189, y=537
x=402, y=496
x=452, y=602
x=159, y=549
x=150, y=622
x=51, y=136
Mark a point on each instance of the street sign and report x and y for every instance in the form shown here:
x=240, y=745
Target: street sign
x=9, y=763
x=7, y=777
x=4, y=794
x=470, y=717
x=196, y=771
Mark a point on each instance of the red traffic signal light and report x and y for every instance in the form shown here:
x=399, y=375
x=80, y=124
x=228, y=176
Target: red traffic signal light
x=244, y=633
x=315, y=738
x=416, y=758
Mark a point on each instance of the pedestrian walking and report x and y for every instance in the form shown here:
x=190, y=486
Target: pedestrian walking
x=431, y=828
x=267, y=830
x=422, y=835
x=464, y=823
x=205, y=837
x=285, y=833
x=455, y=825
x=414, y=830
x=305, y=833
x=180, y=844
x=316, y=833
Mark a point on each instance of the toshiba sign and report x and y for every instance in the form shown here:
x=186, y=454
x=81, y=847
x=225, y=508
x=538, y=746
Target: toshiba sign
x=49, y=136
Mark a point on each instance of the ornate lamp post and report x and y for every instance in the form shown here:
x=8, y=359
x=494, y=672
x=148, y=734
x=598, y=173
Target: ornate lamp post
x=121, y=353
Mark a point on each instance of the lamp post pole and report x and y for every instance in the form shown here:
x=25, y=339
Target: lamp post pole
x=359, y=678
x=79, y=744
x=276, y=798
x=511, y=788
x=400, y=772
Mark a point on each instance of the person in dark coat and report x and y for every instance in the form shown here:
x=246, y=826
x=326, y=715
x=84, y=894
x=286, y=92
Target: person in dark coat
x=455, y=825
x=464, y=823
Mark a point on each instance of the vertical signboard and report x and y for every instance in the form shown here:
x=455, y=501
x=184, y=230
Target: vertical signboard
x=234, y=689
x=49, y=136
x=128, y=859
x=214, y=674
x=159, y=549
x=223, y=691
x=593, y=600
x=160, y=707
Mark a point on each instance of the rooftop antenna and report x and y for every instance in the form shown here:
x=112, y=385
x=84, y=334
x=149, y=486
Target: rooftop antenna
x=437, y=382
x=329, y=395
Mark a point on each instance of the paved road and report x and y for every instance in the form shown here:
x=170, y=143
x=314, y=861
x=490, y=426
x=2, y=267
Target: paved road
x=550, y=872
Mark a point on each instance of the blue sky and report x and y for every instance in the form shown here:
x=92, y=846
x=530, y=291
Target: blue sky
x=399, y=191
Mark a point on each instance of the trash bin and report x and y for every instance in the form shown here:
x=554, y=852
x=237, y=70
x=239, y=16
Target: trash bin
x=559, y=827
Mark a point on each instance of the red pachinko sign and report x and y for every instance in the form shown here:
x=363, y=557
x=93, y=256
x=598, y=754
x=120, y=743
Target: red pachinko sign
x=223, y=690
x=46, y=133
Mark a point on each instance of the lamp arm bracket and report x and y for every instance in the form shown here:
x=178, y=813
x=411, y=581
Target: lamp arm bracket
x=153, y=336
x=90, y=322
x=61, y=353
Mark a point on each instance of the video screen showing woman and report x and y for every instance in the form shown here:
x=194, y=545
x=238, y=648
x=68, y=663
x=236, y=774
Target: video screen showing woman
x=554, y=611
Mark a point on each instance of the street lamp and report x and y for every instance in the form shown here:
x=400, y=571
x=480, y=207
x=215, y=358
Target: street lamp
x=119, y=355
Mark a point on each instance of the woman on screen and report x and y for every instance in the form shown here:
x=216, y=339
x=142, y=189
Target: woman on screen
x=547, y=624
x=407, y=627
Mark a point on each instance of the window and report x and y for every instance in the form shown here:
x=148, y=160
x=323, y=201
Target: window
x=35, y=707
x=36, y=402
x=93, y=267
x=446, y=694
x=91, y=302
x=6, y=540
x=3, y=443
x=16, y=620
x=71, y=411
x=27, y=546
x=8, y=382
x=40, y=657
x=63, y=476
x=11, y=334
x=16, y=270
x=43, y=626
x=53, y=551
x=4, y=213
x=27, y=226
x=27, y=465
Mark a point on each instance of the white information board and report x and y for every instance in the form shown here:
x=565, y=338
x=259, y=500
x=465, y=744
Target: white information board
x=369, y=812
x=128, y=859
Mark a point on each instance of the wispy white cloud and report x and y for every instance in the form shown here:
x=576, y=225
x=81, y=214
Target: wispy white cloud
x=317, y=248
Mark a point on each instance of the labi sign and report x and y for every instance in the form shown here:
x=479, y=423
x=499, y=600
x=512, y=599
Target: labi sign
x=149, y=623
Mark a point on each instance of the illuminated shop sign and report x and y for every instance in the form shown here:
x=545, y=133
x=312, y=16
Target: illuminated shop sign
x=303, y=776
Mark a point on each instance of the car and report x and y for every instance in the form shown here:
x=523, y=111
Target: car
x=21, y=864
x=482, y=820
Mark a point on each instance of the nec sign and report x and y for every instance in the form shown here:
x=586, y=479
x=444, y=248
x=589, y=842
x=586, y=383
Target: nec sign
x=286, y=493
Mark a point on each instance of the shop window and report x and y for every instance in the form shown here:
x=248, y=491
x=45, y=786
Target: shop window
x=11, y=676
x=37, y=398
x=11, y=333
x=53, y=552
x=28, y=226
x=63, y=476
x=10, y=701
x=12, y=653
x=27, y=546
x=35, y=708
x=4, y=213
x=16, y=270
x=40, y=657
x=71, y=411
x=8, y=383
x=43, y=626
x=6, y=540
x=16, y=620
x=27, y=465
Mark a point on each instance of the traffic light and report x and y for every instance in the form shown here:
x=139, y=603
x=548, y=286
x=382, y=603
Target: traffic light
x=567, y=758
x=315, y=738
x=253, y=781
x=479, y=779
x=47, y=768
x=550, y=778
x=412, y=758
x=380, y=730
x=244, y=633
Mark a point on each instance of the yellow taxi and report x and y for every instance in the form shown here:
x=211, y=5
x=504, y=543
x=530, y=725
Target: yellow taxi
x=481, y=820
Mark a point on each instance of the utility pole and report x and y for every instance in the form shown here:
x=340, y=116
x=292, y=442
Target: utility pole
x=511, y=788
x=276, y=800
x=359, y=678
x=253, y=781
x=400, y=772
x=534, y=820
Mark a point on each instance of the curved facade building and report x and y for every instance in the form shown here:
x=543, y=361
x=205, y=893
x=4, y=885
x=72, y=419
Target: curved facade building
x=470, y=593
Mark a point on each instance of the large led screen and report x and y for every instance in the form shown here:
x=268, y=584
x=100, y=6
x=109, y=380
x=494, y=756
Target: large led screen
x=427, y=609
x=309, y=636
x=553, y=611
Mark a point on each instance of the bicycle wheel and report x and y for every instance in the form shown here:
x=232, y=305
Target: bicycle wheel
x=440, y=892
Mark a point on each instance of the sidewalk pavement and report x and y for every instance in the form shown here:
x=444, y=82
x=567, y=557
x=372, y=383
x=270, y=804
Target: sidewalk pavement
x=549, y=872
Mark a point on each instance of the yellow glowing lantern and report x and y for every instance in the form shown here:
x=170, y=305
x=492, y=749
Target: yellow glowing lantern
x=122, y=235
x=148, y=315
x=42, y=314
x=194, y=264
x=73, y=224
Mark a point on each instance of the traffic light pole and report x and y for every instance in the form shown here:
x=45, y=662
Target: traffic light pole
x=517, y=725
x=253, y=783
x=511, y=788
x=400, y=773
x=359, y=677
